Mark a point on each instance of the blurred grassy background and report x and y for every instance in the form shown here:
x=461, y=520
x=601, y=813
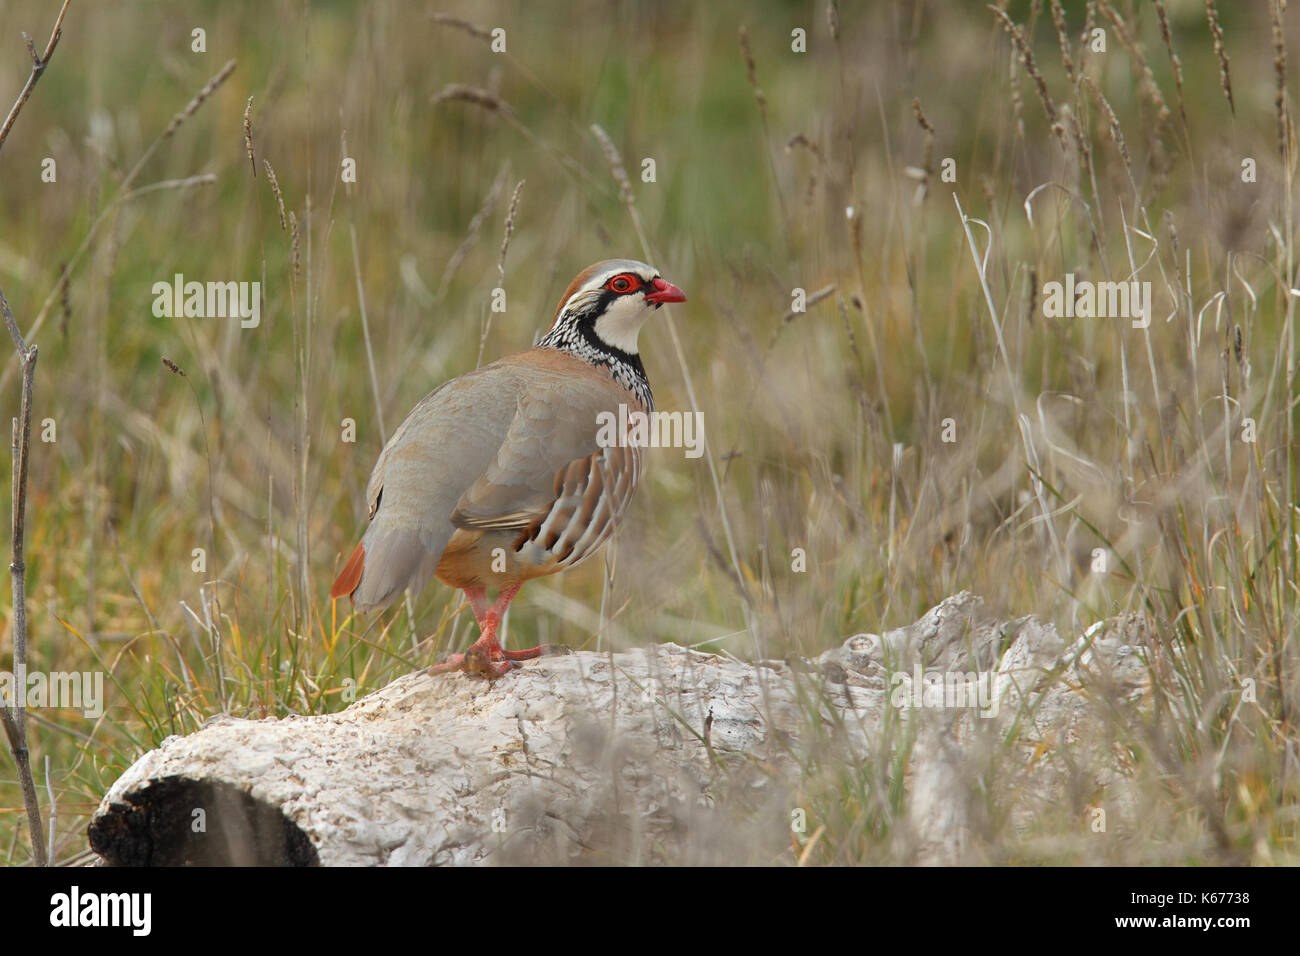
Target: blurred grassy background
x=825, y=427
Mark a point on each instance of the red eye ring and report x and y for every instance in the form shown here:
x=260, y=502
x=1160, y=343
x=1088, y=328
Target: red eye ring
x=625, y=282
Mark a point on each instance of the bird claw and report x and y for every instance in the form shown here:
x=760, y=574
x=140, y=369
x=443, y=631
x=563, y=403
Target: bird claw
x=454, y=663
x=475, y=660
x=554, y=650
x=480, y=661
x=493, y=662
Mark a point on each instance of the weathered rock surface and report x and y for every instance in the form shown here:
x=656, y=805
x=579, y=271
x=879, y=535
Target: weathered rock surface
x=653, y=755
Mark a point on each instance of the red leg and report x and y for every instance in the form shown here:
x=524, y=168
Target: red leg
x=478, y=603
x=486, y=656
x=499, y=612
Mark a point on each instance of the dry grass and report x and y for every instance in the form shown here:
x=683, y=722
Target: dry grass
x=825, y=430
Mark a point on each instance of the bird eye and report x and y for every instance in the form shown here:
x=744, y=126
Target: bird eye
x=621, y=283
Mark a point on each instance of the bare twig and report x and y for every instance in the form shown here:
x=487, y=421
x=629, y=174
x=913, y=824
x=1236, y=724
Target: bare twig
x=54, y=814
x=15, y=720
x=38, y=67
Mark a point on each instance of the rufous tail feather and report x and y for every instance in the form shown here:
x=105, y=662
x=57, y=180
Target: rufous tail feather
x=350, y=576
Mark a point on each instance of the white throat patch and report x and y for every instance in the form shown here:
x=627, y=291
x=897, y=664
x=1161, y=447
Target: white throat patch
x=619, y=326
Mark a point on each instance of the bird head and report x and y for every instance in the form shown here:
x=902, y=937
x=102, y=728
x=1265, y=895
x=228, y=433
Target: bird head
x=606, y=305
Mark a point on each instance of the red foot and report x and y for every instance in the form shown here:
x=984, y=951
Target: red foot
x=485, y=656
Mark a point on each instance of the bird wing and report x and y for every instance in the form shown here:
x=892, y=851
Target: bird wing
x=550, y=459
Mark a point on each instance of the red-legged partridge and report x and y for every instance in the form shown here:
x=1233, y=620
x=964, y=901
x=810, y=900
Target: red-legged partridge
x=497, y=476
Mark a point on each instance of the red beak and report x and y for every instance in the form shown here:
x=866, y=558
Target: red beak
x=664, y=291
